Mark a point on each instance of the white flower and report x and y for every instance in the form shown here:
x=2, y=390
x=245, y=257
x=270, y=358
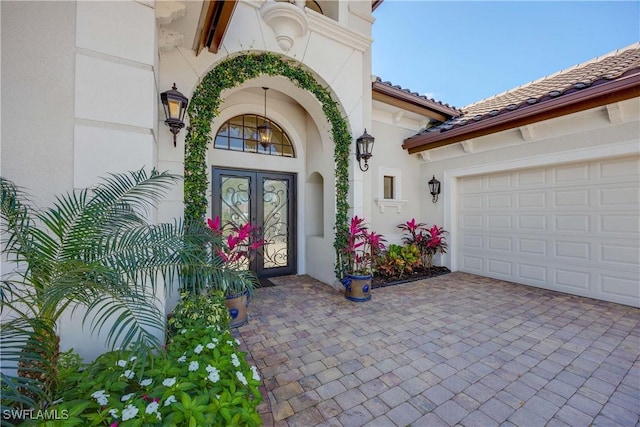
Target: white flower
x=151, y=408
x=198, y=349
x=171, y=399
x=129, y=412
x=214, y=374
x=113, y=412
x=234, y=360
x=182, y=358
x=211, y=346
x=121, y=363
x=127, y=397
x=97, y=394
x=169, y=382
x=146, y=382
x=132, y=358
x=230, y=342
x=193, y=366
x=241, y=377
x=237, y=341
x=101, y=397
x=128, y=374
x=256, y=375
x=215, y=340
x=183, y=331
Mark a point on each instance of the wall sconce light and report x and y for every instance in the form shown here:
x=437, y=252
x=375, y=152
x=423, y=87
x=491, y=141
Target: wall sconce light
x=264, y=130
x=175, y=105
x=364, y=149
x=434, y=189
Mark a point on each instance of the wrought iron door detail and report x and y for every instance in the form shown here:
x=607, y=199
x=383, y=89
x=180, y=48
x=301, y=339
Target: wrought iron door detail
x=265, y=199
x=276, y=222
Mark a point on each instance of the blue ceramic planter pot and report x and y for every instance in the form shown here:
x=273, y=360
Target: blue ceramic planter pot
x=357, y=288
x=237, y=305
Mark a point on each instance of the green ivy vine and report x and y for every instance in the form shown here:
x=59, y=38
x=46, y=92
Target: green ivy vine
x=203, y=108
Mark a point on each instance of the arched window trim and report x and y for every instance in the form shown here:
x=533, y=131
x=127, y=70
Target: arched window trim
x=225, y=139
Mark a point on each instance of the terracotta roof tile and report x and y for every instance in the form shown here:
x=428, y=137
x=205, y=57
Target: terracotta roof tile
x=412, y=93
x=596, y=71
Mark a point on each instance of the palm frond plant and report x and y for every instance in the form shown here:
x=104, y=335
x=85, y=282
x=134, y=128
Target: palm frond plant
x=93, y=249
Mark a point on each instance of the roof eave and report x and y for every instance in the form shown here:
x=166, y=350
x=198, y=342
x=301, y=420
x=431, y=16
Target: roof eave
x=618, y=90
x=415, y=103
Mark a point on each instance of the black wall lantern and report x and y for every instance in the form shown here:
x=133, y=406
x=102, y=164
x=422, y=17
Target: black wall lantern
x=434, y=188
x=264, y=130
x=364, y=149
x=175, y=105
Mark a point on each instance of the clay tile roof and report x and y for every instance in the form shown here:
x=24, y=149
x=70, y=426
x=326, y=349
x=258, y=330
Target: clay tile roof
x=611, y=77
x=379, y=81
x=590, y=73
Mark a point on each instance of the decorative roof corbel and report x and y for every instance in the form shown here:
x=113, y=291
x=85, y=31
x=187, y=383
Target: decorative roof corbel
x=288, y=21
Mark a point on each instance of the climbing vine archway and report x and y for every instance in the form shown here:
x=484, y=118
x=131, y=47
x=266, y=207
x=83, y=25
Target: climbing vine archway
x=203, y=108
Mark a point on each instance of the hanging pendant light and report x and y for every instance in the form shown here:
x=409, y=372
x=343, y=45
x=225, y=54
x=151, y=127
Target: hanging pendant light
x=264, y=130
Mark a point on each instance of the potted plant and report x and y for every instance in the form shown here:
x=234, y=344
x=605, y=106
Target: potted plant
x=237, y=281
x=362, y=247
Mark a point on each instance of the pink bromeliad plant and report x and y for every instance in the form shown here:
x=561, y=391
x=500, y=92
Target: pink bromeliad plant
x=241, y=244
x=429, y=241
x=362, y=247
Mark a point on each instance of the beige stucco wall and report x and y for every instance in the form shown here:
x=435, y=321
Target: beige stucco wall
x=80, y=77
x=37, y=130
x=390, y=159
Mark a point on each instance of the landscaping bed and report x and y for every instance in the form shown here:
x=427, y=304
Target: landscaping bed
x=418, y=274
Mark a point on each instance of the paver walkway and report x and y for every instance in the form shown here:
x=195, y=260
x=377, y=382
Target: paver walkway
x=457, y=349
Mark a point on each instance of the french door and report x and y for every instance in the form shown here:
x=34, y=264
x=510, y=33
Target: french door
x=266, y=200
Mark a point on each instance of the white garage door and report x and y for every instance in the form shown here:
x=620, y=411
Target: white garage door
x=573, y=228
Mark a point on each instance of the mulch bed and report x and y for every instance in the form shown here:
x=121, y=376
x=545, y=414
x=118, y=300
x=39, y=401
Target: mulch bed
x=381, y=282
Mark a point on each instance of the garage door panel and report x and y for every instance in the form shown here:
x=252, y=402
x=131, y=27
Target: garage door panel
x=473, y=221
x=571, y=173
x=618, y=284
x=500, y=243
x=532, y=246
x=572, y=223
x=533, y=273
x=499, y=201
x=573, y=250
x=626, y=196
x=619, y=168
x=573, y=228
x=620, y=254
x=500, y=267
x=571, y=280
x=531, y=178
x=473, y=264
x=532, y=200
x=499, y=181
x=574, y=199
x=532, y=222
x=620, y=224
x=499, y=221
x=472, y=202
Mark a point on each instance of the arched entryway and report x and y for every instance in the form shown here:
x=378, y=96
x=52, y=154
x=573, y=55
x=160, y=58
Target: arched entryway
x=245, y=71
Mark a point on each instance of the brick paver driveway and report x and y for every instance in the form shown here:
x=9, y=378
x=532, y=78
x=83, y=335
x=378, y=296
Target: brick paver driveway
x=452, y=350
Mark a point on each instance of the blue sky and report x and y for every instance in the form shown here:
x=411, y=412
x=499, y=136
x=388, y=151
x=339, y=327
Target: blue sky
x=459, y=52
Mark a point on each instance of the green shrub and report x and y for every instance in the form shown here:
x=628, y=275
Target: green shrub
x=202, y=379
x=398, y=260
x=194, y=308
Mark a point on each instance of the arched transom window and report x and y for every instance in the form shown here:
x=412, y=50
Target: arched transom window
x=240, y=134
